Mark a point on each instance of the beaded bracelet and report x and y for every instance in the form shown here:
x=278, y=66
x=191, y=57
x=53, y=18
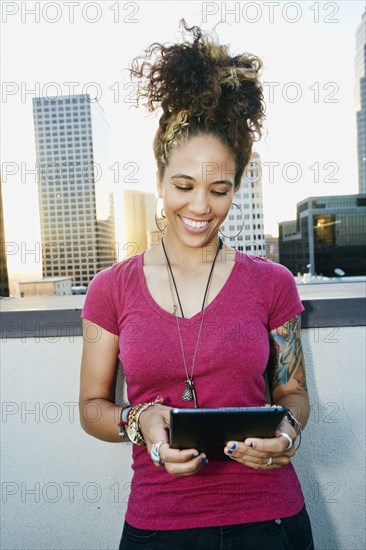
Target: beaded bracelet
x=123, y=420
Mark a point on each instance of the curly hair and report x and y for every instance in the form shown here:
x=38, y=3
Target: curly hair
x=201, y=89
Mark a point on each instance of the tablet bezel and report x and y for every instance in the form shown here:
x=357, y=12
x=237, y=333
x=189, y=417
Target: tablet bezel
x=209, y=429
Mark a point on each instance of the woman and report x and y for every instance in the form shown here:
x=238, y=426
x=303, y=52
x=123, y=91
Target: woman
x=192, y=321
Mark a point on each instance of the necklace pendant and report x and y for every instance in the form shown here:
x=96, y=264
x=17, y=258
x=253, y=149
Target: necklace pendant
x=187, y=395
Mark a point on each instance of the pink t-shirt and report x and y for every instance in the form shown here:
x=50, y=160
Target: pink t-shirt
x=233, y=352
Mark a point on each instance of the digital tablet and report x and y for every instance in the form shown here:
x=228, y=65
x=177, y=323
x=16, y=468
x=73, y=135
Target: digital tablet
x=208, y=430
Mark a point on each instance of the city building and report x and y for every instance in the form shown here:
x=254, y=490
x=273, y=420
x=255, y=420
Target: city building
x=4, y=280
x=138, y=220
x=49, y=286
x=271, y=247
x=360, y=101
x=75, y=198
x=243, y=227
x=327, y=238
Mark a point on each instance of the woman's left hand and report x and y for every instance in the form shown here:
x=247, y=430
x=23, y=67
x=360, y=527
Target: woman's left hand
x=263, y=454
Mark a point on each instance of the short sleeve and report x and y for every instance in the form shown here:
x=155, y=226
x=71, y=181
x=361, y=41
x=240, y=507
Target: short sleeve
x=286, y=301
x=99, y=306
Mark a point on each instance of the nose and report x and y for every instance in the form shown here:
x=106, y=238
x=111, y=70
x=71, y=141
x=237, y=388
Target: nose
x=199, y=203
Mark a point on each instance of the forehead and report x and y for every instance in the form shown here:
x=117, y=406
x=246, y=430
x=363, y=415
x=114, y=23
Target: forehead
x=201, y=154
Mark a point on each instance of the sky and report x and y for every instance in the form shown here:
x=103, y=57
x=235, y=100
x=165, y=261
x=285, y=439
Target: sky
x=53, y=48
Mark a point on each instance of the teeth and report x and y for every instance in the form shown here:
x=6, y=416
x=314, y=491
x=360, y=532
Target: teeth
x=192, y=223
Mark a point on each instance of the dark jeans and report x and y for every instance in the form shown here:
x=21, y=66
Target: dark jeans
x=293, y=533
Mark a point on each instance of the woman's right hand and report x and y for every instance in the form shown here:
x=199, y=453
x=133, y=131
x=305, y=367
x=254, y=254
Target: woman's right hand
x=154, y=425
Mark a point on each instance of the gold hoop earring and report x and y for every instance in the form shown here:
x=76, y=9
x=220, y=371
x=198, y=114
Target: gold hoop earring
x=161, y=217
x=242, y=225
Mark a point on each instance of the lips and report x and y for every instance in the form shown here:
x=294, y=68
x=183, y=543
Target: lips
x=195, y=224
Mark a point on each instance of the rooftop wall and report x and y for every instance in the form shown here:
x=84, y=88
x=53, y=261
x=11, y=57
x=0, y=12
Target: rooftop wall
x=65, y=490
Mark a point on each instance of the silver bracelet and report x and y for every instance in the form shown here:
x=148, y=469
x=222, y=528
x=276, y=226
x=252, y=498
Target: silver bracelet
x=293, y=421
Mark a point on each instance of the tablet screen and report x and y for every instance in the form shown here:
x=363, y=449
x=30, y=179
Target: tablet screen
x=208, y=430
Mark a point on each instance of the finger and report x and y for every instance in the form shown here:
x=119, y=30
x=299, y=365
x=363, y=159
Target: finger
x=189, y=468
x=262, y=466
x=252, y=454
x=288, y=438
x=235, y=447
x=244, y=453
x=271, y=445
x=238, y=448
x=264, y=463
x=177, y=456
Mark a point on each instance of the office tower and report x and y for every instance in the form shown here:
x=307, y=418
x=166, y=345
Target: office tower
x=76, y=203
x=360, y=102
x=250, y=202
x=271, y=244
x=328, y=235
x=139, y=221
x=4, y=282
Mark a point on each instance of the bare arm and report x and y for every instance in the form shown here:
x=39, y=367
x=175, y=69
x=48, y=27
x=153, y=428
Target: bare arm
x=99, y=414
x=287, y=388
x=288, y=384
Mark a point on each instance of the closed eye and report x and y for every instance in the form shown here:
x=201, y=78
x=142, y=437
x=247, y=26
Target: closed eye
x=183, y=188
x=216, y=193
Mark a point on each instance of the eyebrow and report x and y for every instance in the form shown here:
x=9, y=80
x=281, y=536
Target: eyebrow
x=189, y=178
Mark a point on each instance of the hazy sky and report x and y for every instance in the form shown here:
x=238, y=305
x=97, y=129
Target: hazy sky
x=308, y=51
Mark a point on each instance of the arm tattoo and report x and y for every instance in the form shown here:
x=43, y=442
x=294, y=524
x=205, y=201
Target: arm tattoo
x=288, y=355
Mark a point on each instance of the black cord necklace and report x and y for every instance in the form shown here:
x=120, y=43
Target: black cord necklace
x=189, y=393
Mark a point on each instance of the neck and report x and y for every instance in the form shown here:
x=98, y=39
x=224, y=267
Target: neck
x=190, y=257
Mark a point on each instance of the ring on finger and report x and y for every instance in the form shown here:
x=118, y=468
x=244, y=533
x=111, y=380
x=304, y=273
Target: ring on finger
x=156, y=459
x=270, y=462
x=290, y=442
x=155, y=453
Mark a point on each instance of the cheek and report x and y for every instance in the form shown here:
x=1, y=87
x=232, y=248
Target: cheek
x=224, y=207
x=171, y=204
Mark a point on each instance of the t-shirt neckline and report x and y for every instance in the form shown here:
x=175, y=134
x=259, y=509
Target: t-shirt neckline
x=170, y=316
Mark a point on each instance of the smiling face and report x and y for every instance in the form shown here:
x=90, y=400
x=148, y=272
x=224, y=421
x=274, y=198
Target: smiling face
x=197, y=190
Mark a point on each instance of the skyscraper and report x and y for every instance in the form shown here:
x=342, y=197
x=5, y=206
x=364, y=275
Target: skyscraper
x=329, y=234
x=360, y=102
x=76, y=203
x=139, y=220
x=246, y=220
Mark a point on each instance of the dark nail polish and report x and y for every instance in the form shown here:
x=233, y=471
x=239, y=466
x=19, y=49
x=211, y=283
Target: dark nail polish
x=203, y=460
x=251, y=445
x=193, y=455
x=230, y=452
x=233, y=446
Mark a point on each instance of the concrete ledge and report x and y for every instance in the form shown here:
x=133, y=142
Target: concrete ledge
x=41, y=324
x=61, y=322
x=337, y=312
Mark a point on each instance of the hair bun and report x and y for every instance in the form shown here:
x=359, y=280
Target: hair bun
x=198, y=83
